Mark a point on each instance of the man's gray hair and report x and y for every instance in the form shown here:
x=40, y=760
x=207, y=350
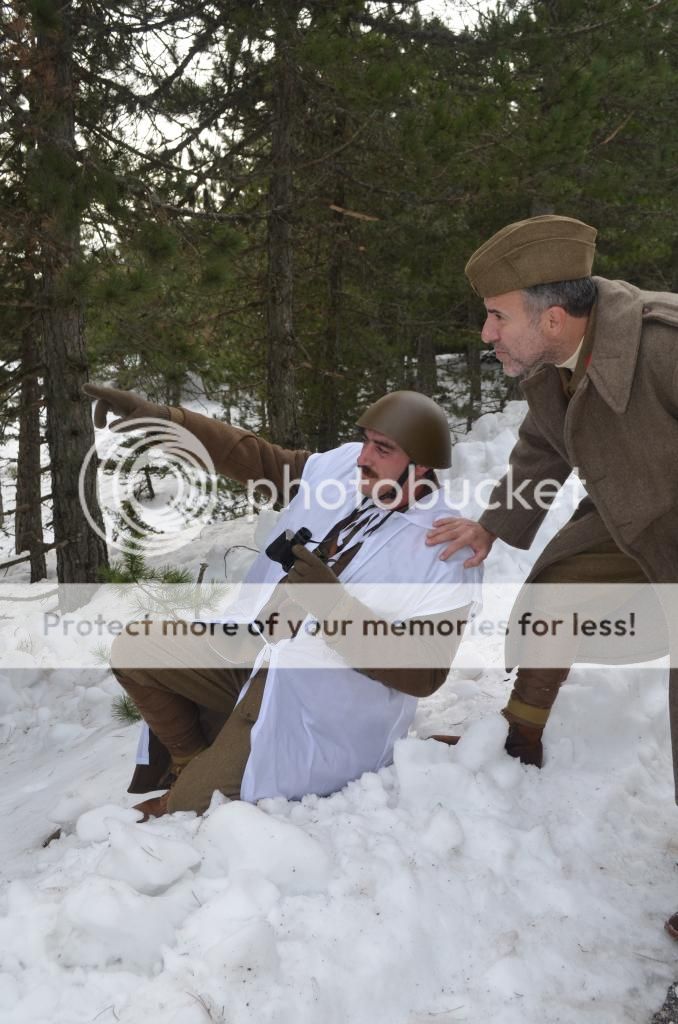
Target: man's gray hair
x=576, y=297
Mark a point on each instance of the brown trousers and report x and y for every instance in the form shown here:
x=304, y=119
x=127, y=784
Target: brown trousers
x=535, y=689
x=158, y=673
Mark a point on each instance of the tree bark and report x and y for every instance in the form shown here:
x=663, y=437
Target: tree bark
x=282, y=399
x=328, y=419
x=28, y=517
x=81, y=550
x=174, y=386
x=474, y=383
x=427, y=371
x=512, y=392
x=328, y=413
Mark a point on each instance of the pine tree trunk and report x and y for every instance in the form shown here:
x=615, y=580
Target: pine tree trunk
x=28, y=518
x=174, y=386
x=282, y=399
x=328, y=419
x=513, y=392
x=427, y=371
x=81, y=551
x=474, y=383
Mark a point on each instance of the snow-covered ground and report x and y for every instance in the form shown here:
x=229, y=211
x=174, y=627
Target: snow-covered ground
x=456, y=885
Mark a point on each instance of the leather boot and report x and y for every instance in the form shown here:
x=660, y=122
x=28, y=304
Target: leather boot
x=524, y=741
x=154, y=807
x=671, y=926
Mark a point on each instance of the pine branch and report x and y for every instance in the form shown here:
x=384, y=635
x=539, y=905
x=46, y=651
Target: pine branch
x=438, y=34
x=594, y=26
x=27, y=558
x=124, y=710
x=149, y=159
x=210, y=215
x=143, y=26
x=25, y=508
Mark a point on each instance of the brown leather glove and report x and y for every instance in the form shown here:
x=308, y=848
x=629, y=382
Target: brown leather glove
x=524, y=741
x=308, y=568
x=126, y=405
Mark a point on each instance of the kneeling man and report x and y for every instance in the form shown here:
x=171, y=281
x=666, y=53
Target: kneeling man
x=308, y=712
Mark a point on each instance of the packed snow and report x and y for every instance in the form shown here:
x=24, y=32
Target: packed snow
x=455, y=885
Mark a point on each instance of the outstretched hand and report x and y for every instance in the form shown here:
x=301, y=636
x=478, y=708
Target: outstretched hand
x=462, y=533
x=126, y=405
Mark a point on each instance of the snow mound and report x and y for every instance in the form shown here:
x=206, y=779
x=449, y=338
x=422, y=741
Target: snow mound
x=147, y=862
x=238, y=836
x=96, y=825
x=454, y=885
x=105, y=922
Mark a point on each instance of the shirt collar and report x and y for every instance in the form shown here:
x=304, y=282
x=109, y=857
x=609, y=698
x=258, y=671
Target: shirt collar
x=571, y=363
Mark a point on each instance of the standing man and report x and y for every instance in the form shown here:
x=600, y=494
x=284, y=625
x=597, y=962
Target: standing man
x=600, y=365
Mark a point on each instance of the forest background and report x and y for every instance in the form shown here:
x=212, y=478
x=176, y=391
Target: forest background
x=271, y=203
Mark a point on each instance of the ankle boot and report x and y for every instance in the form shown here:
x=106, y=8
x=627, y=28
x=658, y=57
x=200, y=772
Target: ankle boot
x=524, y=741
x=154, y=807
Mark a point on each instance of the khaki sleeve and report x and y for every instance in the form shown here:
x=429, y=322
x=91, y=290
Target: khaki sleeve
x=435, y=652
x=439, y=654
x=242, y=455
x=519, y=502
x=417, y=682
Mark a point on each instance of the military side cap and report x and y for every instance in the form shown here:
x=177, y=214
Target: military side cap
x=535, y=251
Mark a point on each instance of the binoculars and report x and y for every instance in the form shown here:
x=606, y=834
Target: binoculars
x=280, y=549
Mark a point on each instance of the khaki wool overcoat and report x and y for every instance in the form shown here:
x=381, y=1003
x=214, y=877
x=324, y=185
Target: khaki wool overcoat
x=620, y=430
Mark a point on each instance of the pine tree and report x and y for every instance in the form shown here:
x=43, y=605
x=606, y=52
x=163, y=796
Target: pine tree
x=54, y=196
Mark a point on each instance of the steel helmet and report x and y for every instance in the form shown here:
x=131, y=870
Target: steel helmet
x=416, y=423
